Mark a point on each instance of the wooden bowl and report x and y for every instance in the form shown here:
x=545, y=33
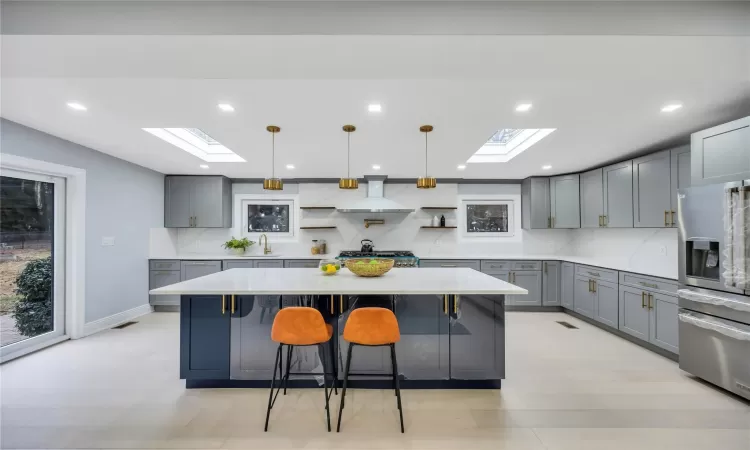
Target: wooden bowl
x=367, y=269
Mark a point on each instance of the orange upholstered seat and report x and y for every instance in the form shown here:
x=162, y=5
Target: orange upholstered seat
x=372, y=326
x=300, y=326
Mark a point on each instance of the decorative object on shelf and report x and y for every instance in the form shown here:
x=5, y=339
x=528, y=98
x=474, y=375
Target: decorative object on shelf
x=315, y=249
x=329, y=266
x=348, y=182
x=318, y=228
x=434, y=221
x=369, y=267
x=442, y=220
x=238, y=246
x=322, y=246
x=273, y=183
x=426, y=182
x=317, y=207
x=439, y=227
x=369, y=222
x=439, y=207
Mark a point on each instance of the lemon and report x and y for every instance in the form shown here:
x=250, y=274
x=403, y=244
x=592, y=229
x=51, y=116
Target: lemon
x=330, y=268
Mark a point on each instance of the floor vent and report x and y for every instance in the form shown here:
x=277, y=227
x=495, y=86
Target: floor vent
x=123, y=325
x=567, y=325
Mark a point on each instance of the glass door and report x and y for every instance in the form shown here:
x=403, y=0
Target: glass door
x=32, y=260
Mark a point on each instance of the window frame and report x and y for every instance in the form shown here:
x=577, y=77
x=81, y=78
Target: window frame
x=242, y=201
x=463, y=225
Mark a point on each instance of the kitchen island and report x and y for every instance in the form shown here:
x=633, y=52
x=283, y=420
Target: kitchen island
x=452, y=323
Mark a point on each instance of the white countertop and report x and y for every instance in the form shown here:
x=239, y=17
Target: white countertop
x=222, y=256
x=312, y=281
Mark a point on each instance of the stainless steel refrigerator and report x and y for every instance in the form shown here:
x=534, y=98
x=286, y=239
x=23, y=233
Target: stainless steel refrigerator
x=714, y=295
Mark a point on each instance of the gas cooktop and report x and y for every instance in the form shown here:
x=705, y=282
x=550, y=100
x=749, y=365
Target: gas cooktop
x=377, y=254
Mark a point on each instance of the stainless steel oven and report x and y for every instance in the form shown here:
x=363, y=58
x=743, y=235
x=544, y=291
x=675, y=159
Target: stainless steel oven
x=714, y=275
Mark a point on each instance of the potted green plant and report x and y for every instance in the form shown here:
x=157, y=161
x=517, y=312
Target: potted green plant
x=238, y=246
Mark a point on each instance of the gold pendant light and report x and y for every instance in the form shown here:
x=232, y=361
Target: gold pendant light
x=348, y=182
x=426, y=182
x=273, y=183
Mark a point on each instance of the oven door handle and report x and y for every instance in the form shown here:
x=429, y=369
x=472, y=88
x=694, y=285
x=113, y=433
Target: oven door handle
x=714, y=325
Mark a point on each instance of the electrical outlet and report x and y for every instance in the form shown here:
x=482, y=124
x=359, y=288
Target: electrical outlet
x=663, y=250
x=108, y=241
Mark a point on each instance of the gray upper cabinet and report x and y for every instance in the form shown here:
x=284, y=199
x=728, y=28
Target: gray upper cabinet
x=567, y=285
x=721, y=154
x=535, y=203
x=197, y=201
x=680, y=176
x=617, y=180
x=592, y=199
x=551, y=283
x=195, y=269
x=652, y=191
x=565, y=201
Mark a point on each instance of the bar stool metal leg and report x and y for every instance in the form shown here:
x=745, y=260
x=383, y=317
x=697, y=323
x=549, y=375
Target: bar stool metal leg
x=321, y=349
x=398, y=390
x=343, y=389
x=334, y=369
x=289, y=349
x=276, y=365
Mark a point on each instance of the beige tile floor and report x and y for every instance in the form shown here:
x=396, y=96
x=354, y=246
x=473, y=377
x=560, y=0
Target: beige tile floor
x=565, y=389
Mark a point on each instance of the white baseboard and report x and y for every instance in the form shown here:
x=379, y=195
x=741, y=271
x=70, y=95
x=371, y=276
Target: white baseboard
x=115, y=319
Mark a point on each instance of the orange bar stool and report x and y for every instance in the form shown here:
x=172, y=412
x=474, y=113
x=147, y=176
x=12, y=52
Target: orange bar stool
x=372, y=327
x=300, y=326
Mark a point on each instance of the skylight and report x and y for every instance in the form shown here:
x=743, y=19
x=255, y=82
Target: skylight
x=508, y=143
x=196, y=142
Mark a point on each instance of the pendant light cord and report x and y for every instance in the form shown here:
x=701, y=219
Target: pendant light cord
x=273, y=155
x=348, y=153
x=425, y=154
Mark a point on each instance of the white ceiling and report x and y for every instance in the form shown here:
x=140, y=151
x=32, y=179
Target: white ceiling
x=603, y=94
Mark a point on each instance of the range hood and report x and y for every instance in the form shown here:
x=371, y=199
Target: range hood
x=375, y=202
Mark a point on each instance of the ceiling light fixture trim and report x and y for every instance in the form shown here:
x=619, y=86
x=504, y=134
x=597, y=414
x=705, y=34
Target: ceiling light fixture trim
x=77, y=106
x=226, y=107
x=523, y=107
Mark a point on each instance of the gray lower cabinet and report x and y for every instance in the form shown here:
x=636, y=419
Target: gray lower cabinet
x=535, y=203
x=617, y=180
x=195, y=269
x=197, y=201
x=470, y=263
x=551, y=283
x=680, y=174
x=238, y=264
x=585, y=298
x=606, y=307
x=161, y=278
x=592, y=199
x=720, y=154
x=531, y=280
x=477, y=338
x=652, y=191
x=567, y=285
x=266, y=264
x=423, y=351
x=565, y=201
x=650, y=316
x=302, y=263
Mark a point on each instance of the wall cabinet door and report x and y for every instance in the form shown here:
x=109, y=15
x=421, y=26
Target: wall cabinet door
x=664, y=322
x=204, y=338
x=178, y=212
x=584, y=297
x=477, y=338
x=720, y=154
x=606, y=308
x=680, y=174
x=551, y=283
x=565, y=201
x=531, y=281
x=567, y=285
x=592, y=199
x=423, y=352
x=208, y=202
x=652, y=190
x=535, y=203
x=253, y=351
x=634, y=312
x=195, y=269
x=618, y=195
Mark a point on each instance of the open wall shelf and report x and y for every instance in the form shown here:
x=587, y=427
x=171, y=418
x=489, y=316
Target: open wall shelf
x=320, y=208
x=317, y=228
x=437, y=208
x=439, y=227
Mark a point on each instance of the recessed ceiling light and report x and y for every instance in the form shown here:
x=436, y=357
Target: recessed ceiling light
x=375, y=167
x=461, y=166
x=204, y=166
x=508, y=143
x=523, y=107
x=77, y=106
x=290, y=166
x=374, y=107
x=226, y=107
x=671, y=107
x=196, y=142
x=547, y=167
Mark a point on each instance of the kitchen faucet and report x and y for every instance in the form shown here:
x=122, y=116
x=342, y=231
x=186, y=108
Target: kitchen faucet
x=266, y=248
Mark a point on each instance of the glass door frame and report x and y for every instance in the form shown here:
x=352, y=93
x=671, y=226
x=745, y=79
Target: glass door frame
x=59, y=257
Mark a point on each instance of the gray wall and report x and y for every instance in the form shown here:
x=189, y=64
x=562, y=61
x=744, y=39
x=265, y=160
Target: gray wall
x=122, y=200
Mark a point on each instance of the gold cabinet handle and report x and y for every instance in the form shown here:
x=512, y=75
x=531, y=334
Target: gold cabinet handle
x=600, y=221
x=672, y=214
x=445, y=304
x=666, y=218
x=232, y=309
x=589, y=285
x=223, y=304
x=643, y=299
x=650, y=301
x=341, y=304
x=593, y=283
x=331, y=304
x=455, y=304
